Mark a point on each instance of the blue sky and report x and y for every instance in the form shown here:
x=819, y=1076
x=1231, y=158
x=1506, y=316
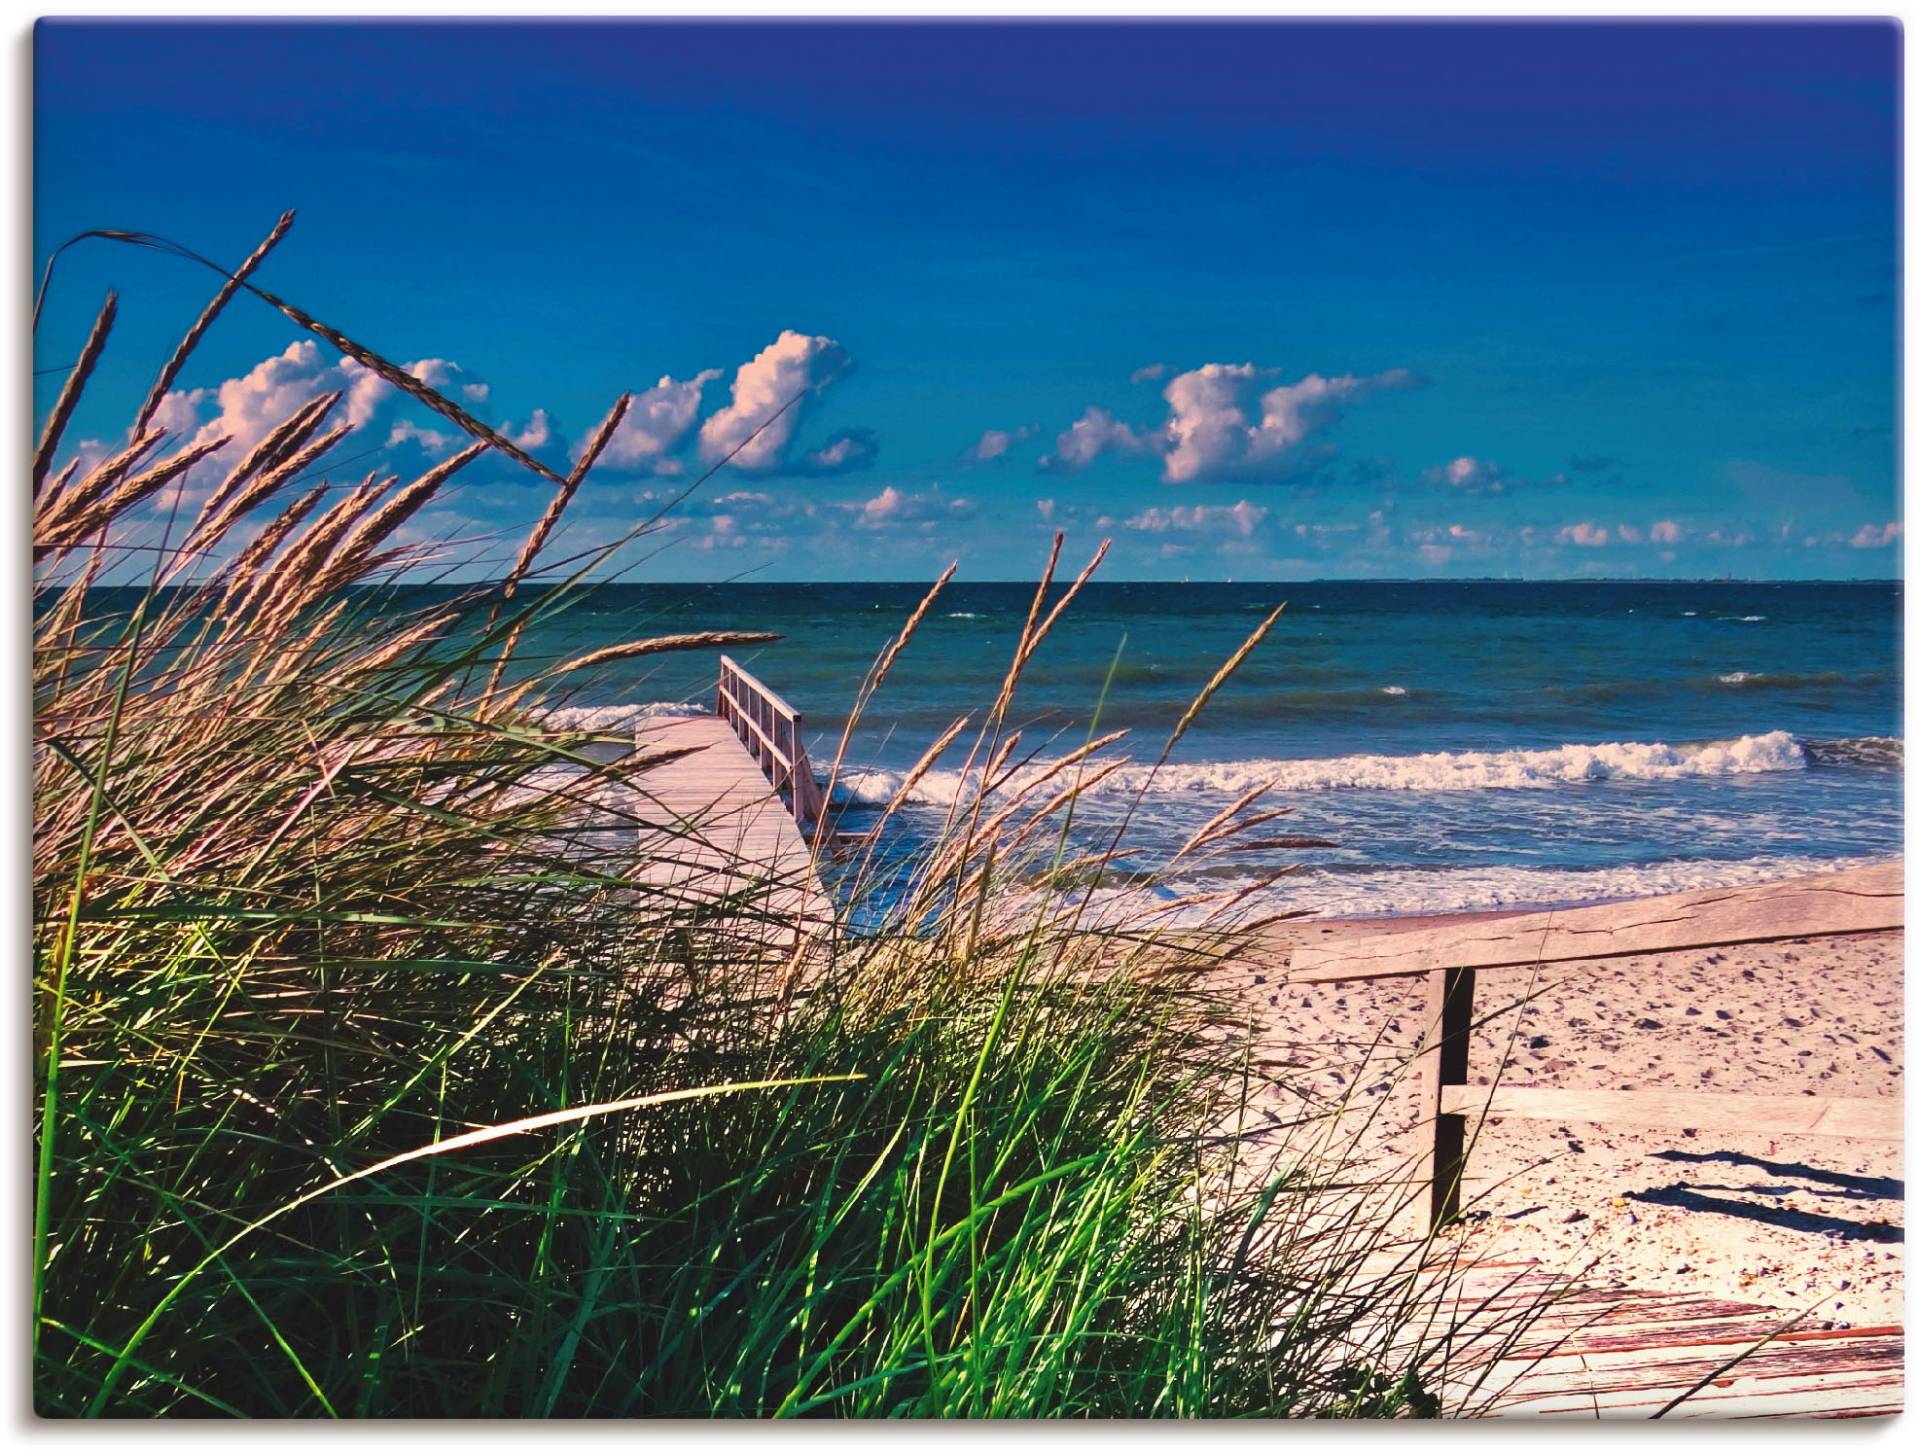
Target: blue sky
x=1256, y=301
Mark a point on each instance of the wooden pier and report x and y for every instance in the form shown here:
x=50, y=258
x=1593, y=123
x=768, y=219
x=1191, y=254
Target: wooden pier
x=724, y=815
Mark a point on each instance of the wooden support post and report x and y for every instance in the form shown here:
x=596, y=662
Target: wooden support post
x=1443, y=1063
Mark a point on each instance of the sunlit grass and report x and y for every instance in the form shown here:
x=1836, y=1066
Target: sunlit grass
x=376, y=1079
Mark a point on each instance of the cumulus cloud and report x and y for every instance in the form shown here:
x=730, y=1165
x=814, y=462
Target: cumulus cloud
x=250, y=406
x=848, y=450
x=1470, y=476
x=893, y=507
x=657, y=423
x=1211, y=435
x=1223, y=424
x=535, y=434
x=995, y=442
x=1152, y=373
x=433, y=441
x=1875, y=536
x=1239, y=519
x=1666, y=531
x=1585, y=535
x=1094, y=433
x=792, y=365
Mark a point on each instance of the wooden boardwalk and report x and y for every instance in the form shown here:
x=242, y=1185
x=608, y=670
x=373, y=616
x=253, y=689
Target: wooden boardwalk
x=1528, y=1341
x=1533, y=1343
x=716, y=832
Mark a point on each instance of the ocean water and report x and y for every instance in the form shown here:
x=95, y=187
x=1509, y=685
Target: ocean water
x=1463, y=745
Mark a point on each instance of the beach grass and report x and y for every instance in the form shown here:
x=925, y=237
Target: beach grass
x=375, y=1077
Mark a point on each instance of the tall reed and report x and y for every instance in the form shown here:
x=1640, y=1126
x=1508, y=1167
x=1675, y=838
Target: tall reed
x=377, y=1076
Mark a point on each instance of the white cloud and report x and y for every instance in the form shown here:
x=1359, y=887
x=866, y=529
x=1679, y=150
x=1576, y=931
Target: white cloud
x=1586, y=534
x=536, y=434
x=1239, y=519
x=995, y=442
x=433, y=440
x=793, y=365
x=657, y=423
x=1222, y=425
x=846, y=451
x=892, y=507
x=1152, y=373
x=1666, y=531
x=1094, y=433
x=1875, y=536
x=1212, y=437
x=1470, y=476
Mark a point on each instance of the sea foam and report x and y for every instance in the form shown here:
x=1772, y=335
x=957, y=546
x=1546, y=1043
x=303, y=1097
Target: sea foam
x=1433, y=771
x=618, y=717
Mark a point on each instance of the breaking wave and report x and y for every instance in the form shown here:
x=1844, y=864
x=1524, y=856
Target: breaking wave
x=1434, y=771
x=618, y=717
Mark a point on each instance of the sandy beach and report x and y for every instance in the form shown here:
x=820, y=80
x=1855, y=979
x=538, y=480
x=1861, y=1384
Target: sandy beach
x=1798, y=1222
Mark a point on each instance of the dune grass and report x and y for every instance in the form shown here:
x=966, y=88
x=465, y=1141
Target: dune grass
x=375, y=1076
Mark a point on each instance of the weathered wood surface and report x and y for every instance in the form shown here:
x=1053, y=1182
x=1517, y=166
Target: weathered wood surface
x=774, y=735
x=1865, y=899
x=1531, y=1343
x=712, y=831
x=1863, y=1118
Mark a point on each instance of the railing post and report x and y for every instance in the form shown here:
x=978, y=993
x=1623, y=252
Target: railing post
x=1442, y=1063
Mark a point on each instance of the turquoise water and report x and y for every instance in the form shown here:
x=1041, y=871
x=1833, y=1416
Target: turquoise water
x=1463, y=744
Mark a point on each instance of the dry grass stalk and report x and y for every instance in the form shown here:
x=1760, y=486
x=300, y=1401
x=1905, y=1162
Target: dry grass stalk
x=290, y=584
x=865, y=694
x=264, y=486
x=997, y=767
x=403, y=380
x=921, y=767
x=1046, y=625
x=1020, y=652
x=899, y=641
x=1220, y=678
x=57, y=508
x=246, y=572
x=536, y=540
x=537, y=536
x=375, y=529
x=138, y=488
x=1066, y=762
x=1223, y=817
x=281, y=440
x=660, y=644
x=213, y=309
x=71, y=390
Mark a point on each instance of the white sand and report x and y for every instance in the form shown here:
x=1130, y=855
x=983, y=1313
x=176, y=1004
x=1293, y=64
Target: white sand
x=1759, y=1217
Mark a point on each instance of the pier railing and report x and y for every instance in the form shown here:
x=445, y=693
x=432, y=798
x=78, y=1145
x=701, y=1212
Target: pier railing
x=1866, y=899
x=772, y=732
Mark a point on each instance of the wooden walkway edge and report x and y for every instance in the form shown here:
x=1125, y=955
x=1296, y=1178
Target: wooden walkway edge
x=1613, y=1352
x=717, y=832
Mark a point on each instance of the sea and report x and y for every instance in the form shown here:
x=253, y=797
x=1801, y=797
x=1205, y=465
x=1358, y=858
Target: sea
x=1461, y=745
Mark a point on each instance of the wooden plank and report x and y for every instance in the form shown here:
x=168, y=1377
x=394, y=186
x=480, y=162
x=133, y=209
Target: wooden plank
x=713, y=830
x=1442, y=1065
x=1860, y=1118
x=1613, y=1351
x=1864, y=899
